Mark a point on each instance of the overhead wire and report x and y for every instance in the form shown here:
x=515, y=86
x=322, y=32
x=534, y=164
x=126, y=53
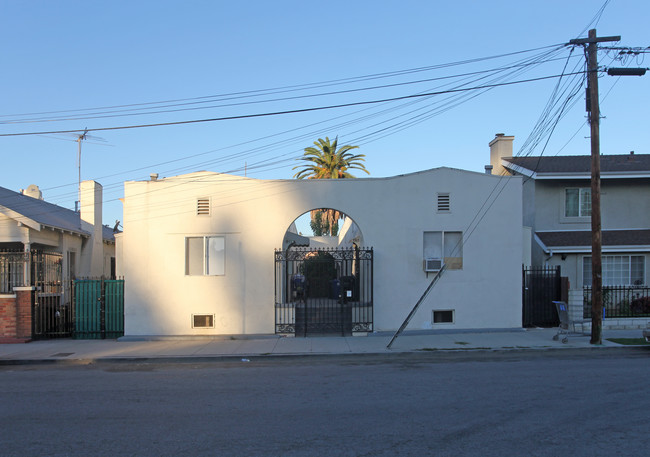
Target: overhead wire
x=292, y=88
x=274, y=162
x=522, y=64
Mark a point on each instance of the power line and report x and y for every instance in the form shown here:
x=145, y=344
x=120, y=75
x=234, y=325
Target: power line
x=291, y=88
x=294, y=111
x=114, y=114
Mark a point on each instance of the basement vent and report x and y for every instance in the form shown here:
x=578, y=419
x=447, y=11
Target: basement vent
x=203, y=207
x=443, y=202
x=445, y=316
x=202, y=320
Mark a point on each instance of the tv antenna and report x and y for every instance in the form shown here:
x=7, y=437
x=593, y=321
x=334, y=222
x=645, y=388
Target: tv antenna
x=82, y=137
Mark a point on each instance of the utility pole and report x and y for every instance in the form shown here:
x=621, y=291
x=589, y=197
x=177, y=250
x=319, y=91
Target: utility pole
x=593, y=108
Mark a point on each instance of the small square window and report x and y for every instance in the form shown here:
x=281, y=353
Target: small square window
x=577, y=202
x=205, y=256
x=445, y=247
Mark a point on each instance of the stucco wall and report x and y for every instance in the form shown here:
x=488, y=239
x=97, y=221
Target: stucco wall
x=253, y=215
x=624, y=205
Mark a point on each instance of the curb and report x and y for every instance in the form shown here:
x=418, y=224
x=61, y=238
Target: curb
x=433, y=354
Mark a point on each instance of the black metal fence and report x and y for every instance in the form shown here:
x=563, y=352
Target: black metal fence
x=541, y=286
x=323, y=291
x=621, y=301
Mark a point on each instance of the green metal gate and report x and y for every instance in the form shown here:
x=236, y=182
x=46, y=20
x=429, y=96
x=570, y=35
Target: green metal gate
x=99, y=308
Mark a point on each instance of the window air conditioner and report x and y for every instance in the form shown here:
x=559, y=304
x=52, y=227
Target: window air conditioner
x=432, y=264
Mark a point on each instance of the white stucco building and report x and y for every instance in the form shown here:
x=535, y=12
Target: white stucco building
x=202, y=244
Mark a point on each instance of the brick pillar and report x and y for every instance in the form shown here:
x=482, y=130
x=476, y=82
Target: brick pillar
x=24, y=312
x=7, y=316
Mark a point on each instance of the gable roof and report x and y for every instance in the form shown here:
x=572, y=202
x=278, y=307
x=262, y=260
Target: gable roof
x=621, y=165
x=33, y=211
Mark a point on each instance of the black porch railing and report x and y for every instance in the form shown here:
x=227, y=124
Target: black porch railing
x=621, y=301
x=31, y=268
x=12, y=270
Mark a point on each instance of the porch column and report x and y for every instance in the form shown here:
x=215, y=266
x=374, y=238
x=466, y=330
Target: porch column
x=27, y=265
x=24, y=312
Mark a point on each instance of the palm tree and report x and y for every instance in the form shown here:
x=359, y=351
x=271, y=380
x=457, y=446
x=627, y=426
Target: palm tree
x=325, y=161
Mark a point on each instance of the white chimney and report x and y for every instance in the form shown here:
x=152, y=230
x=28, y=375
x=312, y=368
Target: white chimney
x=500, y=147
x=90, y=206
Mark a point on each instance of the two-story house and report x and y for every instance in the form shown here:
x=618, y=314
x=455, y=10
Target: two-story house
x=557, y=225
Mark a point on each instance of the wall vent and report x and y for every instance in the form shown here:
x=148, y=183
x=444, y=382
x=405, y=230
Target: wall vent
x=203, y=206
x=202, y=320
x=443, y=202
x=443, y=316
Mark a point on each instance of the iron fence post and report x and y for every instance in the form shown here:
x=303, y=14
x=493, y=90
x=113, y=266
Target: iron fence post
x=102, y=308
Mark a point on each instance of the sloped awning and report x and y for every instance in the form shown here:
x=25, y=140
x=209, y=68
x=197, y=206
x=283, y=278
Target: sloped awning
x=580, y=241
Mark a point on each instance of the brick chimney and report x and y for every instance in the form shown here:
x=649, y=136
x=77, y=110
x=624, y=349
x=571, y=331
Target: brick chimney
x=500, y=147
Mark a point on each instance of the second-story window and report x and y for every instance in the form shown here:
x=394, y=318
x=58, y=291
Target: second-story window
x=577, y=202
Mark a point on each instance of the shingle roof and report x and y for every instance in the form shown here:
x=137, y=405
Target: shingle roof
x=582, y=164
x=47, y=214
x=583, y=238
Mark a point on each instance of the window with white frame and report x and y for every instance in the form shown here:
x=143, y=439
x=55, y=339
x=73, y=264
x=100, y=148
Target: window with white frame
x=205, y=256
x=445, y=247
x=577, y=202
x=618, y=270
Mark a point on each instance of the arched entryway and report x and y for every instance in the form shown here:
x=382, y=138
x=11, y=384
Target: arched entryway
x=323, y=282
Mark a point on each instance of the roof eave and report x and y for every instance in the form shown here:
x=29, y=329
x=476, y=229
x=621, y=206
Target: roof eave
x=605, y=249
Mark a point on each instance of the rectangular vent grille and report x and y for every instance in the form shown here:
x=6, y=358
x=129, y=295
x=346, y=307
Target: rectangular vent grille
x=432, y=264
x=443, y=202
x=203, y=207
x=202, y=320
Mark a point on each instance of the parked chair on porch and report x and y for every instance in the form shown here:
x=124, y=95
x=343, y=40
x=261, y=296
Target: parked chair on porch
x=566, y=323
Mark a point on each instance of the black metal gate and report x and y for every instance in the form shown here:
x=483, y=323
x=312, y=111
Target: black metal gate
x=323, y=291
x=541, y=286
x=52, y=314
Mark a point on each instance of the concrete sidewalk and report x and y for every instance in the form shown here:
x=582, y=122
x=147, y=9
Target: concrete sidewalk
x=245, y=347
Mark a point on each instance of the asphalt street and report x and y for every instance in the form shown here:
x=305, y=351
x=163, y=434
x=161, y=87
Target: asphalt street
x=544, y=403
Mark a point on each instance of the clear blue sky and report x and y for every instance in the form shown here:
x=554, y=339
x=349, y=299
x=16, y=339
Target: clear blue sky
x=61, y=56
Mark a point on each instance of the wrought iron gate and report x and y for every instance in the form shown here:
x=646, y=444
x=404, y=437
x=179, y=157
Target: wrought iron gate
x=541, y=285
x=52, y=303
x=323, y=291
